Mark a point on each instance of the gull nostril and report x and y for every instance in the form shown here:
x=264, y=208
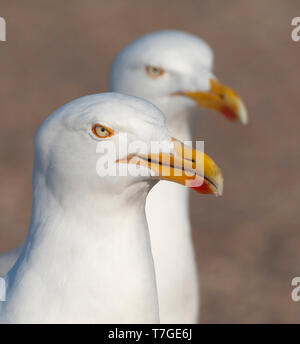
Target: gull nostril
x=222, y=96
x=150, y=161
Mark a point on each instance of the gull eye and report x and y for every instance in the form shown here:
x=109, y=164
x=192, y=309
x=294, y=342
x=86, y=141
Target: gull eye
x=154, y=72
x=101, y=131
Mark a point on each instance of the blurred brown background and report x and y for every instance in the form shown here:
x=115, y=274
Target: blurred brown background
x=247, y=241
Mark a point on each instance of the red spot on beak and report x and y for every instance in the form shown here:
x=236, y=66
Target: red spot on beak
x=203, y=189
x=228, y=113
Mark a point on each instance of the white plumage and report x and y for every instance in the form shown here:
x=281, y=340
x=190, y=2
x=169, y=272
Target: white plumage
x=87, y=257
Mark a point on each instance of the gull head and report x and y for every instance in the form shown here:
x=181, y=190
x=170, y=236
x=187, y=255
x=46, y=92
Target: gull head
x=107, y=143
x=173, y=70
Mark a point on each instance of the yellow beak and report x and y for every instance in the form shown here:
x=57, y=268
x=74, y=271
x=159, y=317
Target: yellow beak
x=221, y=99
x=186, y=166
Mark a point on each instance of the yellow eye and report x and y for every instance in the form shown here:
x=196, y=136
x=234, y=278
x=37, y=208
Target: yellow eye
x=101, y=131
x=154, y=72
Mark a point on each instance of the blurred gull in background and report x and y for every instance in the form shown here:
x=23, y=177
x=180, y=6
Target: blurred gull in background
x=173, y=70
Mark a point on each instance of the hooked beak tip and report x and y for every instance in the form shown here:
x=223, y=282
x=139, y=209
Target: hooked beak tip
x=242, y=112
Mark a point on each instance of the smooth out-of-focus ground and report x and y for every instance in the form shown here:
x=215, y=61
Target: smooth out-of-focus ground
x=248, y=241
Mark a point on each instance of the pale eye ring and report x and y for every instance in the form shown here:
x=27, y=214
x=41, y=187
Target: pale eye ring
x=101, y=131
x=154, y=72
